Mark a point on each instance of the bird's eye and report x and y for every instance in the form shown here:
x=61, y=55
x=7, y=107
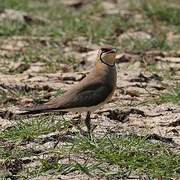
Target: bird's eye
x=104, y=49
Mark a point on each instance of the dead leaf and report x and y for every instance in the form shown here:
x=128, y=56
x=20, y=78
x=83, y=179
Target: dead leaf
x=175, y=123
x=125, y=58
x=73, y=77
x=25, y=100
x=7, y=114
x=118, y=31
x=142, y=78
x=133, y=93
x=160, y=138
x=122, y=115
x=20, y=68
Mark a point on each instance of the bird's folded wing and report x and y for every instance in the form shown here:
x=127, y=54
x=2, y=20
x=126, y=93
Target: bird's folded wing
x=90, y=95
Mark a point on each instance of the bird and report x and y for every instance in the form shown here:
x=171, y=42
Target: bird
x=90, y=94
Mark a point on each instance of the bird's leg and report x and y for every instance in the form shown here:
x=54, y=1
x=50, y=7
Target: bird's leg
x=88, y=122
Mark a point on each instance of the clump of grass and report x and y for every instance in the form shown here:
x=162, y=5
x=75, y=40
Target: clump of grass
x=135, y=44
x=13, y=139
x=11, y=96
x=15, y=152
x=172, y=96
x=117, y=156
x=8, y=28
x=112, y=156
x=67, y=22
x=27, y=130
x=162, y=11
x=129, y=154
x=13, y=4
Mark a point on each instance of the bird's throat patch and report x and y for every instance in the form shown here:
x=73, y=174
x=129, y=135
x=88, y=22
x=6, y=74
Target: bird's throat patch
x=105, y=61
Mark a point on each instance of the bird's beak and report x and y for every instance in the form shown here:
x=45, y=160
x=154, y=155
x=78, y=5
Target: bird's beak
x=113, y=50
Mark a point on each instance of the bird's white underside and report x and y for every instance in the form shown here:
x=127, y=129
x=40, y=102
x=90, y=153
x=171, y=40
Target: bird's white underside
x=84, y=109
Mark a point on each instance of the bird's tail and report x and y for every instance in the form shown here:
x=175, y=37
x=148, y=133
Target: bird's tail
x=37, y=109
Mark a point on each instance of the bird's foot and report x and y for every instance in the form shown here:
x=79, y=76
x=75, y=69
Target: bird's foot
x=89, y=134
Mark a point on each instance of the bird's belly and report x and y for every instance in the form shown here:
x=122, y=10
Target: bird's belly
x=86, y=109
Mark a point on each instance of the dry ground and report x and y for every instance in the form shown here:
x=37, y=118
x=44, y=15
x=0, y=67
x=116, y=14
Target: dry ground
x=47, y=46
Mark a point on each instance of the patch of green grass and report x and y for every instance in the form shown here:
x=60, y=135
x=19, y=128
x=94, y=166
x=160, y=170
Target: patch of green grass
x=135, y=44
x=13, y=4
x=111, y=156
x=67, y=22
x=172, y=96
x=118, y=156
x=9, y=28
x=27, y=130
x=130, y=154
x=11, y=94
x=14, y=152
x=82, y=24
x=45, y=51
x=13, y=140
x=65, y=168
x=162, y=11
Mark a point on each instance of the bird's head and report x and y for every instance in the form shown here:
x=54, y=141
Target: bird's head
x=107, y=55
